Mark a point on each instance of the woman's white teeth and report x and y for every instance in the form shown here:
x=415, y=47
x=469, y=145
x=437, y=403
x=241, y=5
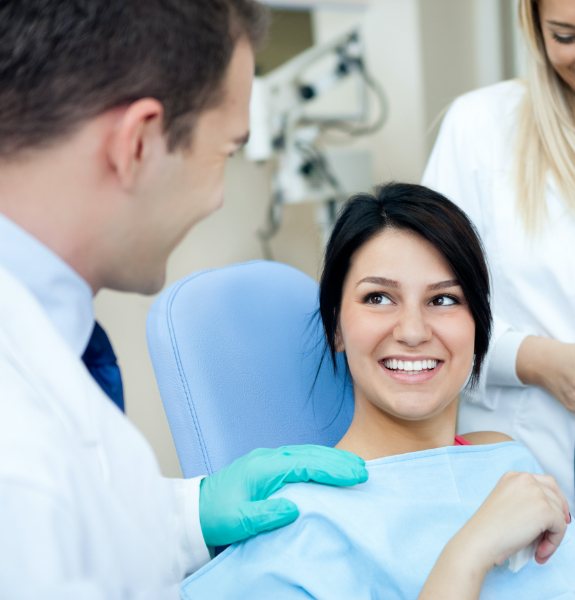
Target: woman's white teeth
x=409, y=365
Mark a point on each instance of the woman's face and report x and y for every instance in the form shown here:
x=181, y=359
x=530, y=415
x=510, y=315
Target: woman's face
x=405, y=327
x=558, y=26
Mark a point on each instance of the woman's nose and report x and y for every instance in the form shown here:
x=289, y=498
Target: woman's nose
x=412, y=327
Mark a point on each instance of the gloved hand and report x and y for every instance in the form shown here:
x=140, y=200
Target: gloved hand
x=233, y=501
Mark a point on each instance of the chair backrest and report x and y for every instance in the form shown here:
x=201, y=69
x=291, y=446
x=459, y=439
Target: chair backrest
x=236, y=352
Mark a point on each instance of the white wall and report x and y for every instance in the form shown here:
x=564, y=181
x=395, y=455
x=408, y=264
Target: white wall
x=424, y=52
x=393, y=54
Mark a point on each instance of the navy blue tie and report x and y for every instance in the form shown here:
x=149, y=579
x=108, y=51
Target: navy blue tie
x=101, y=361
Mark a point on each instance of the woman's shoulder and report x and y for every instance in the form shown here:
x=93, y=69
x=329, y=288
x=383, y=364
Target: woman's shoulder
x=476, y=438
x=503, y=92
x=489, y=104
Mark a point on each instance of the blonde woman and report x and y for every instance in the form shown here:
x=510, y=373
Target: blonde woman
x=506, y=155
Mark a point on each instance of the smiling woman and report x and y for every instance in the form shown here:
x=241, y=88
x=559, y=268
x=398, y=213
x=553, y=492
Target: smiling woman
x=401, y=314
x=399, y=270
x=391, y=326
x=405, y=295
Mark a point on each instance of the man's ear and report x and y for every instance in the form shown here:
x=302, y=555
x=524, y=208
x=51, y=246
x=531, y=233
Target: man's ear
x=137, y=134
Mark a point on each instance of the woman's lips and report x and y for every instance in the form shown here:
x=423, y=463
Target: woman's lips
x=397, y=364
x=411, y=371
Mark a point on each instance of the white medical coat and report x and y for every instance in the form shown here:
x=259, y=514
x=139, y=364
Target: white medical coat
x=533, y=277
x=84, y=512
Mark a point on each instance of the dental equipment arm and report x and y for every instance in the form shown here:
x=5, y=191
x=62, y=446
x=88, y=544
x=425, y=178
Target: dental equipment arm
x=287, y=127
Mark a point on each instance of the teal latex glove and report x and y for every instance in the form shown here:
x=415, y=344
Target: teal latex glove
x=233, y=501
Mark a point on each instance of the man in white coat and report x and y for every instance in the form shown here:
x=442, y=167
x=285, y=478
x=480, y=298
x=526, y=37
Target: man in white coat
x=116, y=120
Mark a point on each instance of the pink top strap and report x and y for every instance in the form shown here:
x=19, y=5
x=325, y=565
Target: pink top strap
x=461, y=441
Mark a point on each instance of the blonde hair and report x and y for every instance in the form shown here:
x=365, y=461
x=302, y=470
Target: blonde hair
x=546, y=133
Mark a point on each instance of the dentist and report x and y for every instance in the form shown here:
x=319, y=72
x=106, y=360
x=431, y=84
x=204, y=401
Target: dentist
x=116, y=121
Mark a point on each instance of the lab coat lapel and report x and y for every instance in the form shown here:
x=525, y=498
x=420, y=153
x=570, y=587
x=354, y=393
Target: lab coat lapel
x=32, y=346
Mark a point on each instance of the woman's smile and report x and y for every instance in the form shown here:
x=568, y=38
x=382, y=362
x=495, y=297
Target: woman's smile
x=411, y=370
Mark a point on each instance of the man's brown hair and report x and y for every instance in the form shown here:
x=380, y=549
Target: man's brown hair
x=63, y=62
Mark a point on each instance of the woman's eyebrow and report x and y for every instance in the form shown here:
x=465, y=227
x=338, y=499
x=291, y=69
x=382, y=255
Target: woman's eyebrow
x=560, y=24
x=391, y=283
x=448, y=283
x=379, y=281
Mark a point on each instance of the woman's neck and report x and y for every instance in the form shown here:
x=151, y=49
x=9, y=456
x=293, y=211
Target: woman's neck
x=374, y=434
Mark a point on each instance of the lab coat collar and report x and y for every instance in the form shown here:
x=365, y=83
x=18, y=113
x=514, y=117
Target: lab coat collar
x=30, y=343
x=63, y=294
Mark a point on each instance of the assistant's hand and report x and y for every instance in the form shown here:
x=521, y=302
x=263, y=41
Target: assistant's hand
x=233, y=501
x=549, y=364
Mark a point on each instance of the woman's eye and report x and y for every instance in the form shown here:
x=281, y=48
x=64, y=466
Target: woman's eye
x=377, y=299
x=564, y=39
x=444, y=301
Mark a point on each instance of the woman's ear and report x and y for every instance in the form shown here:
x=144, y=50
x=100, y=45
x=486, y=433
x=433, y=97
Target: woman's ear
x=339, y=346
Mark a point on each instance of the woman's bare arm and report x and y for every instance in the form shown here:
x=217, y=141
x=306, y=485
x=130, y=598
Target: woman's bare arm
x=521, y=509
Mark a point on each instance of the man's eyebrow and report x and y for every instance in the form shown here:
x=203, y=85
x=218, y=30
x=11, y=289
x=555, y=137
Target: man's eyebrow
x=242, y=140
x=391, y=283
x=560, y=24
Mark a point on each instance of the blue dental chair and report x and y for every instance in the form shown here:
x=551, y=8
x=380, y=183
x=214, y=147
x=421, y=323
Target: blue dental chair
x=237, y=354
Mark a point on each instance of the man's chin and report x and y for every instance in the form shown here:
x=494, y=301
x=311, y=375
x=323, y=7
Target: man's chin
x=135, y=281
x=153, y=286
x=147, y=286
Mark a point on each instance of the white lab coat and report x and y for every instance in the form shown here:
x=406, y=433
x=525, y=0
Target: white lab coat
x=84, y=512
x=533, y=277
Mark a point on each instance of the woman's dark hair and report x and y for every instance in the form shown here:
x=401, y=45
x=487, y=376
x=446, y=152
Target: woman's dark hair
x=428, y=214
